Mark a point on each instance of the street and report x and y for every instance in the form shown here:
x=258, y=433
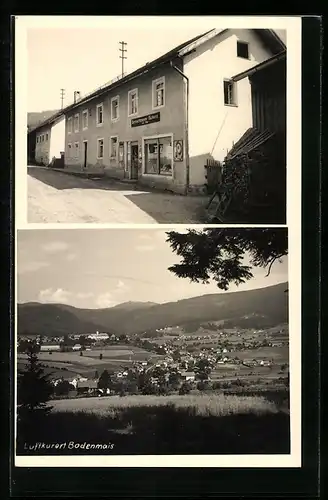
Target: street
x=59, y=197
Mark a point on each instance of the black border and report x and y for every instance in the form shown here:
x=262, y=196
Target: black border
x=254, y=483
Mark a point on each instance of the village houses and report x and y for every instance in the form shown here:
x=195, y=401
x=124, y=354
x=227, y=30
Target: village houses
x=162, y=123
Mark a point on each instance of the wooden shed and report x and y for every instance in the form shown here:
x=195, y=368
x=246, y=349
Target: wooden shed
x=268, y=87
x=253, y=185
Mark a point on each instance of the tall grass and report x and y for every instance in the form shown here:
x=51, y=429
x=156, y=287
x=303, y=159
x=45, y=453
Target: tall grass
x=216, y=405
x=152, y=425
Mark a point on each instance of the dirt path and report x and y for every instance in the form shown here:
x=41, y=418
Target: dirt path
x=79, y=205
x=59, y=197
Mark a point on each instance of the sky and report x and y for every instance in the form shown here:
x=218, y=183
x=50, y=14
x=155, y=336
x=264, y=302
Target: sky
x=85, y=58
x=98, y=268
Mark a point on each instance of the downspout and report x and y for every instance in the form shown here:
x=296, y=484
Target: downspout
x=186, y=110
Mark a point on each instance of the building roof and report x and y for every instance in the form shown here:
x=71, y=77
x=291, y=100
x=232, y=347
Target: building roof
x=259, y=67
x=57, y=117
x=90, y=384
x=268, y=37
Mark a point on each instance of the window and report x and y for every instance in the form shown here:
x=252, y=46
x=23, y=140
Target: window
x=113, y=147
x=242, y=50
x=100, y=115
x=158, y=156
x=42, y=138
x=69, y=154
x=229, y=88
x=85, y=119
x=69, y=125
x=115, y=111
x=159, y=92
x=76, y=123
x=100, y=148
x=133, y=102
x=76, y=150
x=37, y=139
x=46, y=137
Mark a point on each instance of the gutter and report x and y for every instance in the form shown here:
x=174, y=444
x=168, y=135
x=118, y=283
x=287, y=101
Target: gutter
x=259, y=67
x=186, y=106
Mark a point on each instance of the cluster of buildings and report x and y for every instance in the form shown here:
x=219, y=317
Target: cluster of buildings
x=163, y=123
x=74, y=342
x=84, y=385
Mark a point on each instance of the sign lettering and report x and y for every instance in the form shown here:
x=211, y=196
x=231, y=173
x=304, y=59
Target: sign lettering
x=145, y=120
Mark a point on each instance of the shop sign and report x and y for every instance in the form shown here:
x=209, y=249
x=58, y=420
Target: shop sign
x=145, y=120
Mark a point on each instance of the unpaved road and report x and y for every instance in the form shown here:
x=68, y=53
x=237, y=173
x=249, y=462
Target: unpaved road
x=58, y=197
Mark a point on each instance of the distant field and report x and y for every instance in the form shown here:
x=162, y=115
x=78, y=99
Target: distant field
x=119, y=347
x=66, y=357
x=109, y=353
x=275, y=353
x=56, y=372
x=67, y=364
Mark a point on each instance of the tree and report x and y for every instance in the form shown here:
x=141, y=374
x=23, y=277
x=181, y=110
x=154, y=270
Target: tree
x=218, y=254
x=33, y=393
x=174, y=379
x=63, y=388
x=203, y=385
x=185, y=388
x=203, y=369
x=105, y=380
x=100, y=356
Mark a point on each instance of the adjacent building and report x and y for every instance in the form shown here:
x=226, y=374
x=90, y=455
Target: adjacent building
x=50, y=347
x=268, y=94
x=46, y=142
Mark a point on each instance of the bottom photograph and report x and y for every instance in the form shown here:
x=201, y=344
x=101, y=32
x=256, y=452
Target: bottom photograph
x=152, y=341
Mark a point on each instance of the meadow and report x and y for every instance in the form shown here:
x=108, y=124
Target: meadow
x=152, y=425
x=198, y=404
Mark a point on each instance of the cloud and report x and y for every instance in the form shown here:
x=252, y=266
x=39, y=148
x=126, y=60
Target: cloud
x=55, y=246
x=51, y=295
x=121, y=287
x=105, y=300
x=30, y=267
x=84, y=295
x=145, y=248
x=71, y=256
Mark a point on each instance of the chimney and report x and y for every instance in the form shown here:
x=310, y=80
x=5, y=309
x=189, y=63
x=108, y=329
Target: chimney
x=77, y=95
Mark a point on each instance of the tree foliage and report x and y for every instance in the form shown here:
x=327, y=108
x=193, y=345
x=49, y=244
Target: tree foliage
x=219, y=254
x=63, y=388
x=105, y=380
x=33, y=387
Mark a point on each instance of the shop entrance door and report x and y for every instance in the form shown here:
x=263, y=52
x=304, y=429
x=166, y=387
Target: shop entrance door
x=134, y=160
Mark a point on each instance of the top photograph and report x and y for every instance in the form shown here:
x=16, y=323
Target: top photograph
x=156, y=126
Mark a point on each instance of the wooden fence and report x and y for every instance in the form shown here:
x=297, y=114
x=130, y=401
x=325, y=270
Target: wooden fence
x=213, y=175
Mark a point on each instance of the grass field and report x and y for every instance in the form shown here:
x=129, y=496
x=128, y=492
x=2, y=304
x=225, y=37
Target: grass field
x=202, y=404
x=65, y=357
x=153, y=425
x=276, y=353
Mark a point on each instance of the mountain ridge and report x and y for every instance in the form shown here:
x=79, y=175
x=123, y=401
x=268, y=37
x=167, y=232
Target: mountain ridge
x=266, y=306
